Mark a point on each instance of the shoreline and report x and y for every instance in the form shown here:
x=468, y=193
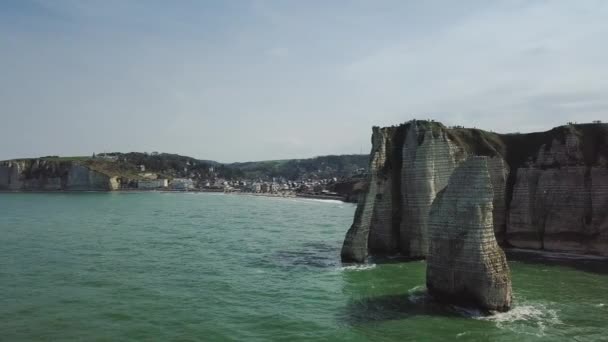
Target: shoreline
x=583, y=262
x=311, y=197
x=100, y=191
x=517, y=253
x=303, y=196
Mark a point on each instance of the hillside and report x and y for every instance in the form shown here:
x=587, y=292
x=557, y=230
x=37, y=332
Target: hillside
x=322, y=167
x=120, y=170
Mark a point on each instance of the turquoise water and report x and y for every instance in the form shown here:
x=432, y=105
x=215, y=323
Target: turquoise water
x=213, y=267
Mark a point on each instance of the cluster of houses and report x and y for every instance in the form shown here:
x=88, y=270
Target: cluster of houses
x=179, y=184
x=279, y=187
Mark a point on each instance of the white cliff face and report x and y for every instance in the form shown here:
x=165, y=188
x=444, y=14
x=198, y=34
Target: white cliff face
x=499, y=172
x=464, y=262
x=426, y=168
x=560, y=210
x=522, y=230
x=406, y=173
x=10, y=176
x=82, y=178
x=40, y=175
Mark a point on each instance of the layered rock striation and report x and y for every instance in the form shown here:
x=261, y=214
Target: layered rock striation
x=43, y=175
x=559, y=198
x=464, y=261
x=550, y=189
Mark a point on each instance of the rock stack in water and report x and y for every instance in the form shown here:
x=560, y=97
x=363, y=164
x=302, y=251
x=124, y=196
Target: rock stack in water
x=464, y=262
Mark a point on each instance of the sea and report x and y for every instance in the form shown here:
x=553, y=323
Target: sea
x=154, y=266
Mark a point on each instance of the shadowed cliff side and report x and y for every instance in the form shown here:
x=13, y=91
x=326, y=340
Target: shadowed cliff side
x=558, y=192
x=464, y=262
x=370, y=208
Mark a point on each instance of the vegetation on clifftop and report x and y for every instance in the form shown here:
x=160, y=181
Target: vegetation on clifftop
x=315, y=168
x=137, y=165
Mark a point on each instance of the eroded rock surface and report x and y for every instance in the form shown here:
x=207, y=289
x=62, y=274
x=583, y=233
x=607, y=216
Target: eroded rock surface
x=550, y=188
x=464, y=261
x=429, y=158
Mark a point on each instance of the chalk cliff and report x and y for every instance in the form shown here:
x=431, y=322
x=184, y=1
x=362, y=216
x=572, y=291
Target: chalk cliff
x=464, y=261
x=44, y=175
x=550, y=189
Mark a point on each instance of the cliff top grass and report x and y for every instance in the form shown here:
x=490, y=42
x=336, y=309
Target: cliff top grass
x=112, y=168
x=524, y=148
x=478, y=142
x=50, y=158
x=520, y=148
x=57, y=158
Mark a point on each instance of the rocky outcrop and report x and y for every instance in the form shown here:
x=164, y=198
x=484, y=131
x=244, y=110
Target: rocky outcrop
x=350, y=189
x=464, y=261
x=550, y=189
x=44, y=175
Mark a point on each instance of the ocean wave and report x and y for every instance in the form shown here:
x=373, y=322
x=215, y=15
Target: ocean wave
x=417, y=294
x=328, y=201
x=357, y=267
x=529, y=319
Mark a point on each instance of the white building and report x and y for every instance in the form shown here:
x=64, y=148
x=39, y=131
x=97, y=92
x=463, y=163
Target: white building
x=149, y=184
x=182, y=184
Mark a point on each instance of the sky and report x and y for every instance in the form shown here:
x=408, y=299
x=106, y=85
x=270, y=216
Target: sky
x=242, y=80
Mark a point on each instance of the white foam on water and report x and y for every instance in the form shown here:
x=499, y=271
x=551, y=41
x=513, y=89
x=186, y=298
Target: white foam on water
x=417, y=294
x=601, y=305
x=530, y=319
x=320, y=200
x=357, y=267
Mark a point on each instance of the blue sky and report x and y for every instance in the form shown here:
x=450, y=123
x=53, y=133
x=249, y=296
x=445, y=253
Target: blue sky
x=253, y=80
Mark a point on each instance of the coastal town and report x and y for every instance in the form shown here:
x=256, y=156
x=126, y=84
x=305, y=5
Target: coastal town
x=335, y=177
x=277, y=187
x=308, y=185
